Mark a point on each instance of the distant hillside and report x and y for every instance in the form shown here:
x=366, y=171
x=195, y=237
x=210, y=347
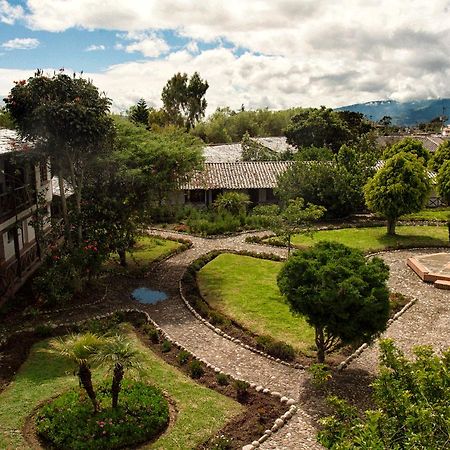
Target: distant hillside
x=406, y=114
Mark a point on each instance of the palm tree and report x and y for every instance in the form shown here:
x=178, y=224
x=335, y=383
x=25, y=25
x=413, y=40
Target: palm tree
x=118, y=353
x=80, y=349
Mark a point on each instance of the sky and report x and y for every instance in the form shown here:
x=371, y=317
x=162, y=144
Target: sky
x=256, y=53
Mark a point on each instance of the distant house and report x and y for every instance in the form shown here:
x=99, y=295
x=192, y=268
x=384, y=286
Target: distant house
x=255, y=178
x=20, y=182
x=430, y=141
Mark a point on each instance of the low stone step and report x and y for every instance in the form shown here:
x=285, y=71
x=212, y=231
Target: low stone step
x=442, y=284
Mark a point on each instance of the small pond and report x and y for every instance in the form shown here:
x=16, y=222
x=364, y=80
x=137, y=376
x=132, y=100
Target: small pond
x=148, y=296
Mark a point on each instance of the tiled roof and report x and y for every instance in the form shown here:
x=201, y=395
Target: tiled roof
x=10, y=141
x=233, y=152
x=238, y=175
x=430, y=142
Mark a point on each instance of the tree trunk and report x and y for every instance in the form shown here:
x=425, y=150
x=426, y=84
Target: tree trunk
x=391, y=226
x=122, y=257
x=448, y=227
x=320, y=344
x=86, y=381
x=64, y=208
x=116, y=384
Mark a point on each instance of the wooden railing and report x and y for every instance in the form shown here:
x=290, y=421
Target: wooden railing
x=12, y=277
x=15, y=201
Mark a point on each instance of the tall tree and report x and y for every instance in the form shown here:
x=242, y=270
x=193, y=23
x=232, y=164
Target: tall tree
x=408, y=146
x=183, y=99
x=323, y=127
x=341, y=294
x=443, y=183
x=400, y=187
x=139, y=113
x=67, y=119
x=440, y=156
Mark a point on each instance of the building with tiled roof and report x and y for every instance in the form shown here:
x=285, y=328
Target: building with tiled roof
x=430, y=141
x=256, y=178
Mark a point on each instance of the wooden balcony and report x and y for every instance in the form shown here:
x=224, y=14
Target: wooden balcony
x=15, y=201
x=12, y=276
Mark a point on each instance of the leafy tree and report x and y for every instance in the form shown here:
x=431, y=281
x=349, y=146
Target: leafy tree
x=335, y=184
x=235, y=203
x=342, y=294
x=408, y=146
x=400, y=187
x=443, y=183
x=159, y=119
x=356, y=122
x=6, y=120
x=81, y=350
x=314, y=154
x=440, y=156
x=412, y=407
x=119, y=354
x=67, y=119
x=322, y=127
x=254, y=151
x=183, y=98
x=139, y=113
x=295, y=218
x=385, y=121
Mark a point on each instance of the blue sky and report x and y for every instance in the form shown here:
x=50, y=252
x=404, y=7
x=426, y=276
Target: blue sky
x=259, y=53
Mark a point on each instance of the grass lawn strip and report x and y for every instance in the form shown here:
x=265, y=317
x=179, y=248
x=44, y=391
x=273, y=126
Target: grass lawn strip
x=147, y=249
x=201, y=411
x=429, y=214
x=245, y=289
x=375, y=238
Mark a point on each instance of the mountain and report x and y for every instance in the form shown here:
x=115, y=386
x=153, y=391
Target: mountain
x=403, y=114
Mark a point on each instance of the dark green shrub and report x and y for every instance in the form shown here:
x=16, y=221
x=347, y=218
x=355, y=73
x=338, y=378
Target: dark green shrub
x=151, y=332
x=320, y=375
x=43, y=330
x=217, y=318
x=277, y=349
x=241, y=387
x=67, y=422
x=222, y=379
x=183, y=357
x=196, y=369
x=201, y=307
x=166, y=346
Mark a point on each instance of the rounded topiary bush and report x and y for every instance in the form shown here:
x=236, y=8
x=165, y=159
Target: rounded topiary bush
x=68, y=421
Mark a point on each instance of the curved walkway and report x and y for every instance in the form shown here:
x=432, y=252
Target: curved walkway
x=425, y=323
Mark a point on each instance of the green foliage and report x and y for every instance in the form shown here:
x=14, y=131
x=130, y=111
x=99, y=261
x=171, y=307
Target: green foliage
x=296, y=217
x=139, y=113
x=57, y=280
x=213, y=222
x=254, y=151
x=342, y=295
x=43, y=331
x=6, y=120
x=196, y=369
x=222, y=379
x=222, y=443
x=183, y=99
x=151, y=332
x=318, y=127
x=233, y=202
x=440, y=156
x=166, y=346
x=225, y=125
x=183, y=357
x=277, y=349
x=336, y=183
x=320, y=375
x=68, y=422
x=443, y=181
x=408, y=146
x=241, y=387
x=412, y=407
x=314, y=154
x=400, y=187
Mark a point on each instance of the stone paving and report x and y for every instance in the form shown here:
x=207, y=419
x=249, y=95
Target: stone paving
x=427, y=322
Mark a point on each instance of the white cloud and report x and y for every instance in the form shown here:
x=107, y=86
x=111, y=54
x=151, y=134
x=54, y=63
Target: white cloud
x=9, y=13
x=21, y=44
x=147, y=43
x=94, y=48
x=308, y=52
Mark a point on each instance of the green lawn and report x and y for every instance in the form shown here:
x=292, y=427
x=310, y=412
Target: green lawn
x=201, y=411
x=429, y=214
x=146, y=250
x=245, y=289
x=375, y=238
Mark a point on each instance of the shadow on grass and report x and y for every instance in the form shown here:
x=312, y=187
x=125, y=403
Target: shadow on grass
x=410, y=240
